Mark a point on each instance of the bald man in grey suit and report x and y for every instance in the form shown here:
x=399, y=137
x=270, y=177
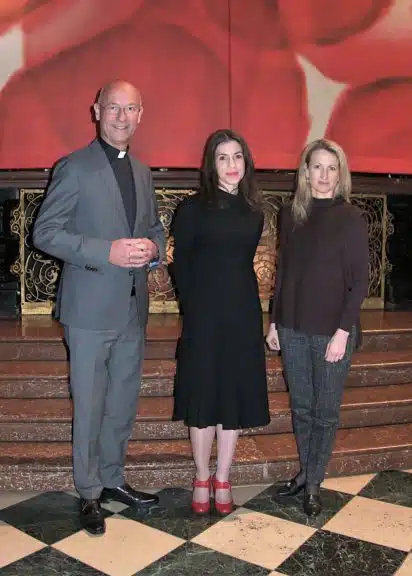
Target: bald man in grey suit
x=100, y=218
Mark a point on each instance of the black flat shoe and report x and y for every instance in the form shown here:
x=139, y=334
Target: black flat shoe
x=312, y=505
x=91, y=517
x=129, y=496
x=288, y=489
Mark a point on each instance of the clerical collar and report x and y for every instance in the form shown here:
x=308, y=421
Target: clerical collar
x=111, y=151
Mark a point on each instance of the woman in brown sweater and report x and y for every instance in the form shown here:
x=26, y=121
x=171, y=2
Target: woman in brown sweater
x=321, y=281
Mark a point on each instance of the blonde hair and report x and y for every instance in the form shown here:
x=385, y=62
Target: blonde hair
x=303, y=195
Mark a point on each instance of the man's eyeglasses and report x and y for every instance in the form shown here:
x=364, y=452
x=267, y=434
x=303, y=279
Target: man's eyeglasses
x=115, y=109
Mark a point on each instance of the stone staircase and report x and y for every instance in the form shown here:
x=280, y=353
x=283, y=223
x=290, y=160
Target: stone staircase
x=35, y=410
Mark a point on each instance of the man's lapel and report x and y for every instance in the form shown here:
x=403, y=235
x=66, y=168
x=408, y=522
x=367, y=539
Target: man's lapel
x=141, y=196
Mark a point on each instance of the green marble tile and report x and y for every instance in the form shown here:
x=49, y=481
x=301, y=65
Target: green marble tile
x=49, y=562
x=329, y=554
x=49, y=517
x=193, y=560
x=393, y=486
x=291, y=509
x=174, y=515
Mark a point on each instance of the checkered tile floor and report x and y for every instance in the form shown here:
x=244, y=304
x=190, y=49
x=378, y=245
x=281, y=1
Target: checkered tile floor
x=365, y=529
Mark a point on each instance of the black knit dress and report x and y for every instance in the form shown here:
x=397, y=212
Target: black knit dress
x=220, y=375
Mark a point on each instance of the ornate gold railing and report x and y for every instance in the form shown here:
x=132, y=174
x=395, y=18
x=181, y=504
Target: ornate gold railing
x=39, y=273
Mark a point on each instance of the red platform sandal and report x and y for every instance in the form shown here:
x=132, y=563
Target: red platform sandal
x=202, y=507
x=225, y=507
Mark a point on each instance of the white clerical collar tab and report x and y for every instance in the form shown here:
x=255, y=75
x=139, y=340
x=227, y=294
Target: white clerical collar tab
x=122, y=154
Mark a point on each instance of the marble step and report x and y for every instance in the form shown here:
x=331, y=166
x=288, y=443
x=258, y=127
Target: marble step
x=160, y=463
x=384, y=341
x=48, y=420
x=383, y=331
x=37, y=379
x=43, y=350
x=40, y=337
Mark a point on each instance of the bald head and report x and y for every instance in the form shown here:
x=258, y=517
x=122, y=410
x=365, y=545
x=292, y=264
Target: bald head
x=118, y=110
x=105, y=93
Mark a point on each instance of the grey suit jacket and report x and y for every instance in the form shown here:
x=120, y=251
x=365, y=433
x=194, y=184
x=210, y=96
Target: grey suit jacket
x=81, y=215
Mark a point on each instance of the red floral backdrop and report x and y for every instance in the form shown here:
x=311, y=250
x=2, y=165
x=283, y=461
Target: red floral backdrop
x=281, y=72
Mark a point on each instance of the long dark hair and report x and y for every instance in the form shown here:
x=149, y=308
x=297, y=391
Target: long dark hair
x=208, y=176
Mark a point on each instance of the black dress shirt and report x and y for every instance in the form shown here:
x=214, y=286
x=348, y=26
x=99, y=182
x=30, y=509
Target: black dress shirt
x=123, y=172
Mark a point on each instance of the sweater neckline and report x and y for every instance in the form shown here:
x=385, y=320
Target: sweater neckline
x=327, y=202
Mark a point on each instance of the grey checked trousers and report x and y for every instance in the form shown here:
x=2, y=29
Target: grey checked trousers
x=316, y=389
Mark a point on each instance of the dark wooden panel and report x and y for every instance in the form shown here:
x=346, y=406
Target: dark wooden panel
x=277, y=180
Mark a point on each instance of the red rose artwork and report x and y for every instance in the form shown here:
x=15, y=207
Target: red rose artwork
x=280, y=72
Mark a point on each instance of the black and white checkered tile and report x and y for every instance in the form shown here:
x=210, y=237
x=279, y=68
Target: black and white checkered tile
x=365, y=529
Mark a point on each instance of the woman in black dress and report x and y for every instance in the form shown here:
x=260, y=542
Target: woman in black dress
x=221, y=375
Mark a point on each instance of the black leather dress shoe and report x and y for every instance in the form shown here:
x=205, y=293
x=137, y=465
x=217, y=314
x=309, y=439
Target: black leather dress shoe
x=91, y=517
x=288, y=489
x=129, y=496
x=312, y=504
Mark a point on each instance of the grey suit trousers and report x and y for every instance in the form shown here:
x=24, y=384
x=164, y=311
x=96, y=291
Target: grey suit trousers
x=105, y=374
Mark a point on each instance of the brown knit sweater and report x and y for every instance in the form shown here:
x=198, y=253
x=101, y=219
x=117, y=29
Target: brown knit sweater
x=322, y=275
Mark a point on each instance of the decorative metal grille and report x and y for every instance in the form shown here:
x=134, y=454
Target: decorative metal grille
x=39, y=273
